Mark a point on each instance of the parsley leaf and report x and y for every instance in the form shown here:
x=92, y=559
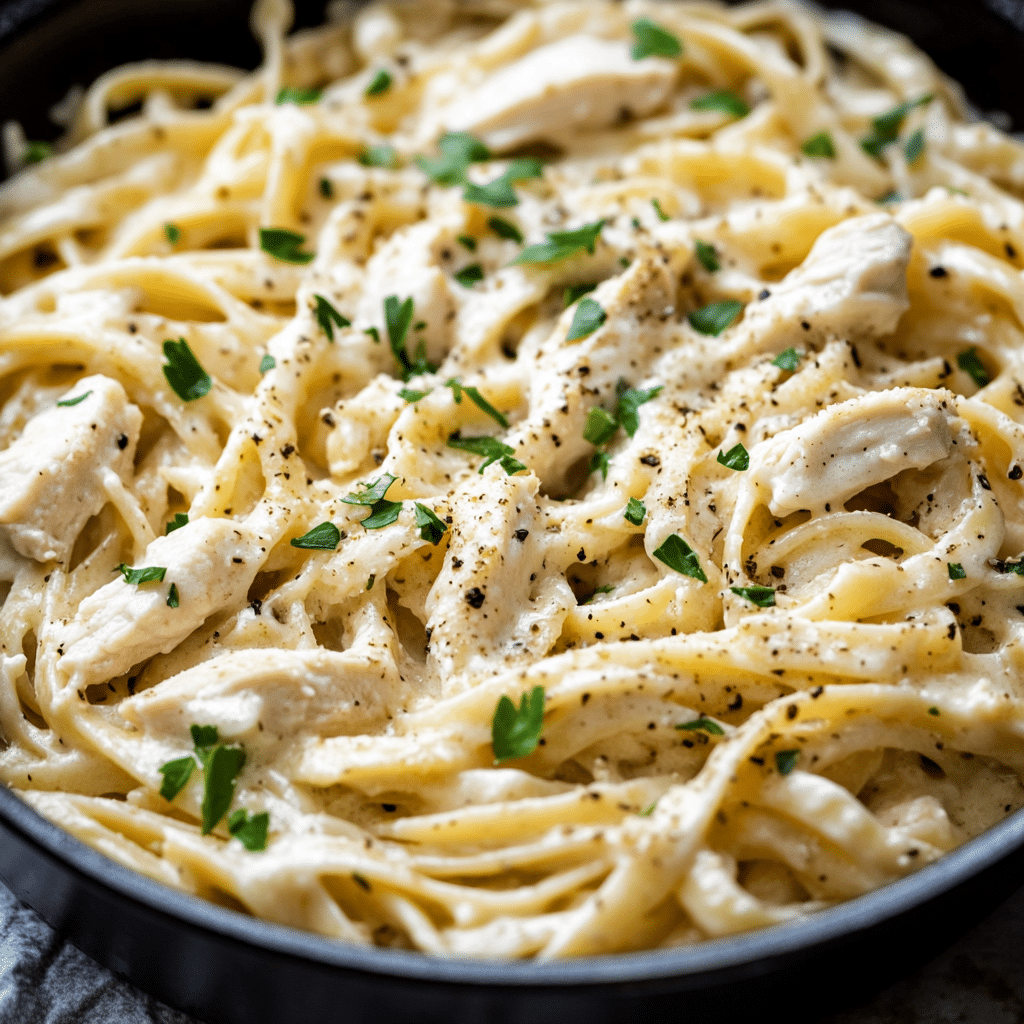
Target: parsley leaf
x=505, y=229
x=715, y=317
x=324, y=537
x=599, y=460
x=706, y=255
x=289, y=94
x=635, y=512
x=373, y=333
x=588, y=317
x=203, y=737
x=662, y=215
x=515, y=733
x=468, y=276
x=491, y=449
x=630, y=400
x=268, y=362
x=173, y=599
x=788, y=360
x=678, y=555
x=785, y=760
x=398, y=316
x=250, y=831
x=1017, y=568
x=180, y=519
x=328, y=317
x=220, y=771
x=379, y=156
x=431, y=528
x=380, y=82
x=892, y=196
x=969, y=362
x=648, y=810
x=372, y=492
x=703, y=725
x=956, y=571
x=561, y=245
x=763, y=597
x=34, y=152
x=326, y=188
x=150, y=574
x=934, y=711
x=173, y=233
x=412, y=396
x=66, y=403
x=724, y=100
x=574, y=292
x=468, y=241
x=735, y=458
x=820, y=145
x=188, y=380
x=283, y=245
x=886, y=127
x=500, y=191
x=384, y=513
x=915, y=146
x=176, y=775
x=651, y=40
x=458, y=151
x=600, y=426
x=370, y=580
x=477, y=399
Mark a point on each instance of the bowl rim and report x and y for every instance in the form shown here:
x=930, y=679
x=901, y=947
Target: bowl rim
x=752, y=950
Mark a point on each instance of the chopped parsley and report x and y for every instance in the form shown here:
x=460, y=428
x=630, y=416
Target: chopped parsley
x=969, y=362
x=251, y=832
x=379, y=156
x=788, y=360
x=172, y=596
x=956, y=571
x=431, y=528
x=635, y=512
x=370, y=580
x=599, y=461
x=892, y=196
x=885, y=128
x=411, y=395
x=576, y=291
x=188, y=380
x=173, y=233
x=678, y=555
x=491, y=449
x=706, y=255
x=1017, y=568
x=458, y=151
x=516, y=733
x=66, y=403
x=562, y=244
x=763, y=597
x=651, y=40
x=283, y=245
x=934, y=711
x=150, y=574
x=324, y=537
x=601, y=426
x=702, y=724
x=176, y=774
x=290, y=94
x=785, y=760
x=382, y=512
x=588, y=317
x=468, y=241
x=735, y=458
x=468, y=276
x=268, y=362
x=505, y=229
x=630, y=400
x=328, y=317
x=35, y=152
x=723, y=100
x=648, y=810
x=397, y=317
x=373, y=333
x=477, y=399
x=820, y=145
x=662, y=215
x=380, y=83
x=326, y=188
x=500, y=192
x=180, y=519
x=221, y=766
x=715, y=317
x=915, y=146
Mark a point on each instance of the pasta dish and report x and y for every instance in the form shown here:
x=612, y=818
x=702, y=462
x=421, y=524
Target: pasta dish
x=517, y=479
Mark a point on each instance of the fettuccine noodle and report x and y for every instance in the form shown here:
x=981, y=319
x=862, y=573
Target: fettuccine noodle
x=730, y=628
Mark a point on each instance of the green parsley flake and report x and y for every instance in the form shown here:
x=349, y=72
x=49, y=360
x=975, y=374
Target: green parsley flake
x=885, y=128
x=934, y=711
x=588, y=317
x=892, y=196
x=176, y=775
x=172, y=596
x=500, y=192
x=180, y=519
x=382, y=155
x=301, y=97
x=398, y=317
x=251, y=832
x=662, y=215
x=220, y=772
x=763, y=597
x=173, y=233
x=724, y=100
x=651, y=40
x=412, y=396
x=630, y=400
x=599, y=461
x=574, y=292
x=66, y=403
x=820, y=145
x=469, y=276
x=477, y=399
x=150, y=574
x=505, y=229
x=35, y=152
x=188, y=380
x=969, y=362
x=516, y=733
x=788, y=360
x=702, y=724
x=431, y=528
x=373, y=333
x=561, y=245
x=382, y=512
x=648, y=810
x=785, y=760
x=956, y=571
x=601, y=426
x=491, y=449
x=328, y=317
x=678, y=555
x=468, y=241
x=268, y=362
x=915, y=146
x=735, y=458
x=706, y=255
x=380, y=83
x=324, y=537
x=714, y=318
x=458, y=151
x=326, y=188
x=203, y=737
x=370, y=580
x=635, y=512
x=284, y=245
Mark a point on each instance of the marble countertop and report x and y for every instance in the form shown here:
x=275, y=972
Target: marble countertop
x=980, y=980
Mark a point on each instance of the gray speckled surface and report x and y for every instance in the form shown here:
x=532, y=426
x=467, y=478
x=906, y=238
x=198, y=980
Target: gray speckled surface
x=46, y=981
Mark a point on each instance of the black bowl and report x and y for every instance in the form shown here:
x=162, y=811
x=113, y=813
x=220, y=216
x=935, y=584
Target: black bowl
x=223, y=966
